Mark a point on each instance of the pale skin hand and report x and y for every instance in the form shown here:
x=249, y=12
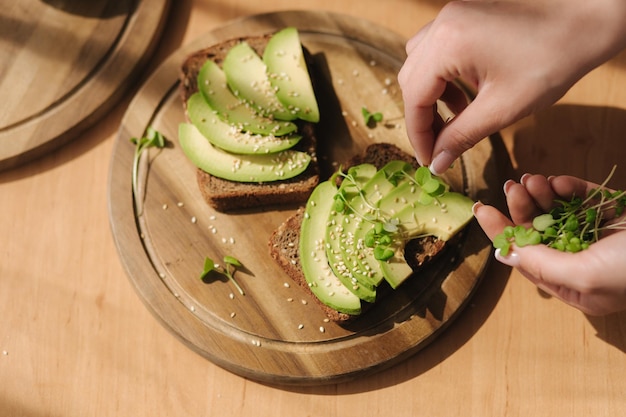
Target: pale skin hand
x=518, y=57
x=593, y=280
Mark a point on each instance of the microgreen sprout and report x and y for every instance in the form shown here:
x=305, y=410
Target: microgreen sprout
x=228, y=270
x=153, y=138
x=432, y=186
x=370, y=118
x=386, y=230
x=573, y=225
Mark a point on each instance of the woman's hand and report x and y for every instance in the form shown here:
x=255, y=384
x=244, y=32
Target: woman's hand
x=518, y=56
x=593, y=280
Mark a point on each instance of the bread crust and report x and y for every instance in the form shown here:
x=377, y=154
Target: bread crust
x=225, y=195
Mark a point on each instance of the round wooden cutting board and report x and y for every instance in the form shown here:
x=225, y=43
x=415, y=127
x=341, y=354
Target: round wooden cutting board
x=275, y=333
x=64, y=63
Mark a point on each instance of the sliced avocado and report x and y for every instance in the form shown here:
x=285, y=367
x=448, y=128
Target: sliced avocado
x=289, y=74
x=214, y=88
x=341, y=250
x=247, y=77
x=315, y=266
x=242, y=168
x=374, y=190
x=442, y=218
x=223, y=135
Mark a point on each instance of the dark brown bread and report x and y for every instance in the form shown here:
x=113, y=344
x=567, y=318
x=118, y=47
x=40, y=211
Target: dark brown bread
x=225, y=195
x=284, y=242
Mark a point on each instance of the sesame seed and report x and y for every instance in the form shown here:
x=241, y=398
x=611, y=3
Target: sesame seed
x=231, y=296
x=286, y=285
x=164, y=206
x=192, y=308
x=194, y=220
x=180, y=204
x=304, y=302
x=233, y=314
x=5, y=353
x=300, y=326
x=322, y=329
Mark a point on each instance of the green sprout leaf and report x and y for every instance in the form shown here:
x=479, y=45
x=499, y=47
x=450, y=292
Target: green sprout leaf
x=370, y=118
x=231, y=263
x=153, y=138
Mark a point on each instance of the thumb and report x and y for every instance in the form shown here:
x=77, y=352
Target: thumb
x=481, y=118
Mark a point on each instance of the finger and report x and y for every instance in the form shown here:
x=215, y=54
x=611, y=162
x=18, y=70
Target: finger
x=567, y=186
x=466, y=129
x=417, y=38
x=522, y=206
x=540, y=190
x=420, y=93
x=490, y=219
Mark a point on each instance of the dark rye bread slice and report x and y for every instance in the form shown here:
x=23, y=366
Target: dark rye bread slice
x=284, y=241
x=225, y=195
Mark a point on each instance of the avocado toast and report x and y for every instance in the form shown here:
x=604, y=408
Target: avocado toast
x=251, y=150
x=373, y=227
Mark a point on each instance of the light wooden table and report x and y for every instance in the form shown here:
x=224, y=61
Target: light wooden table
x=75, y=340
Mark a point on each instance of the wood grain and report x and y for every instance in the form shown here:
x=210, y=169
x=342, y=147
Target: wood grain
x=275, y=333
x=63, y=65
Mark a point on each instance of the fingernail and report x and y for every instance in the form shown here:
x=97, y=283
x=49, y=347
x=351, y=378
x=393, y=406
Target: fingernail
x=441, y=163
x=419, y=161
x=477, y=205
x=511, y=259
x=507, y=185
x=524, y=178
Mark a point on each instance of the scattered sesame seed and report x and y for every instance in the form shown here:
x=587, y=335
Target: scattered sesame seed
x=5, y=353
x=290, y=299
x=286, y=285
x=304, y=302
x=192, y=308
x=231, y=296
x=164, y=206
x=180, y=204
x=322, y=329
x=212, y=217
x=300, y=326
x=232, y=315
x=194, y=220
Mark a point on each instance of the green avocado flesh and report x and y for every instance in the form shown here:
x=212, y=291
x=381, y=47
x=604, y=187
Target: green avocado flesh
x=320, y=278
x=223, y=135
x=289, y=75
x=247, y=77
x=235, y=167
x=370, y=200
x=214, y=88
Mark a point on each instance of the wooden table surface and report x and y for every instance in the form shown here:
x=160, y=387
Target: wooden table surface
x=76, y=340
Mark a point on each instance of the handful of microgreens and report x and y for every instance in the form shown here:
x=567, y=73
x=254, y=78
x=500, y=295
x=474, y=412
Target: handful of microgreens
x=572, y=225
x=387, y=229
